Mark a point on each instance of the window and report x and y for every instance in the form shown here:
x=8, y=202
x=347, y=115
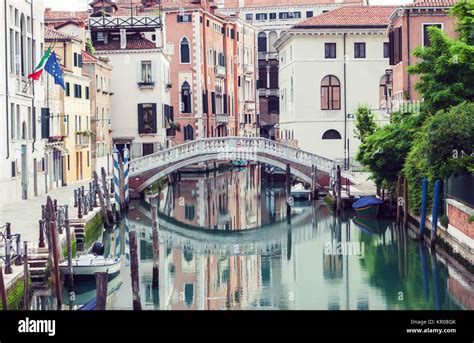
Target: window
x=12, y=121
x=331, y=134
x=184, y=51
x=146, y=72
x=75, y=60
x=283, y=15
x=273, y=16
x=359, y=50
x=249, y=16
x=77, y=91
x=296, y=15
x=386, y=50
x=426, y=34
x=87, y=92
x=184, y=18
x=261, y=16
x=147, y=118
x=189, y=211
x=88, y=160
x=188, y=133
x=147, y=149
x=330, y=93
x=309, y=14
x=185, y=98
x=262, y=42
x=330, y=50
x=68, y=163
x=189, y=294
x=396, y=44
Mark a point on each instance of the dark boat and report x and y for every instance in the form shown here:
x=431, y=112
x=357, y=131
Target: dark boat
x=368, y=206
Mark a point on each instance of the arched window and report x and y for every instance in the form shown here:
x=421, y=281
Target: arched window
x=262, y=42
x=186, y=98
x=272, y=38
x=330, y=93
x=184, y=51
x=188, y=133
x=331, y=134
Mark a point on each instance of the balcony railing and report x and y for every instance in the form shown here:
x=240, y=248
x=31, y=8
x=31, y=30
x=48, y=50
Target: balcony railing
x=219, y=71
x=268, y=55
x=82, y=141
x=146, y=84
x=124, y=22
x=268, y=92
x=222, y=118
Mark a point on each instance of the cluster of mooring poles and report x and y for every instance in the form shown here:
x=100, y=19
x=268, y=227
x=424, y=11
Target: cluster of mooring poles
x=12, y=256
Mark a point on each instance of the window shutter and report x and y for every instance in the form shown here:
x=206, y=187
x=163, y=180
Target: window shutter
x=225, y=103
x=171, y=113
x=153, y=72
x=75, y=59
x=390, y=48
x=154, y=122
x=213, y=102
x=140, y=118
x=205, y=105
x=45, y=122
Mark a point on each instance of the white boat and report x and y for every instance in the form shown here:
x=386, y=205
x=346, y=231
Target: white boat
x=299, y=192
x=87, y=265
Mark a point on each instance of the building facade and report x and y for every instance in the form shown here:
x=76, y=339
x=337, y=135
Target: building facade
x=272, y=18
x=213, y=71
x=140, y=83
x=76, y=108
x=101, y=106
x=329, y=65
x=22, y=167
x=408, y=30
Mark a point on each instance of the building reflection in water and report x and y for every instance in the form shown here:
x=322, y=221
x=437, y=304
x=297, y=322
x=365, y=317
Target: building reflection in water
x=270, y=263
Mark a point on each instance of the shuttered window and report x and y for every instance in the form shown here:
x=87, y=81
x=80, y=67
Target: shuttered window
x=147, y=123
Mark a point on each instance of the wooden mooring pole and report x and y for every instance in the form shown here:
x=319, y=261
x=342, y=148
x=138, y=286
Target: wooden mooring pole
x=103, y=209
x=405, y=202
x=156, y=245
x=289, y=199
x=101, y=280
x=3, y=291
x=107, y=195
x=54, y=242
x=398, y=199
x=137, y=305
x=26, y=276
x=338, y=189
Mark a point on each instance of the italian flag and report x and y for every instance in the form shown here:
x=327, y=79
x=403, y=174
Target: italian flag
x=39, y=68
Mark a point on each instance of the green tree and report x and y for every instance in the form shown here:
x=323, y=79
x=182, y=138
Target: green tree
x=365, y=124
x=463, y=10
x=443, y=147
x=446, y=69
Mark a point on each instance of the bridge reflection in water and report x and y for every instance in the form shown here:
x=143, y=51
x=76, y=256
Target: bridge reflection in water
x=225, y=243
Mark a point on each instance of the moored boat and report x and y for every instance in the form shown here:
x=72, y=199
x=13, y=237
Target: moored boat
x=89, y=264
x=368, y=206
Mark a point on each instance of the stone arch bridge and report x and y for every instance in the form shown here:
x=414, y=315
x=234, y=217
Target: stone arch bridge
x=310, y=168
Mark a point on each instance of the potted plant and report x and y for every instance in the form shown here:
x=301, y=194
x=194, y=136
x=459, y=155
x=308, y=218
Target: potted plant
x=174, y=127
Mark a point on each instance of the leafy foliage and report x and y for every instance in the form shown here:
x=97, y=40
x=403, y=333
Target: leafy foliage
x=446, y=72
x=365, y=124
x=463, y=10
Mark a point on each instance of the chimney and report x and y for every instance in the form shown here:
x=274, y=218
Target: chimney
x=159, y=38
x=123, y=38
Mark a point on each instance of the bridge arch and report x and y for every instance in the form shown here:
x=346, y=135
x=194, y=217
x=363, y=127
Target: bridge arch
x=148, y=169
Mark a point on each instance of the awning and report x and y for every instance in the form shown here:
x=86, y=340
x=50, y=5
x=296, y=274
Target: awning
x=61, y=149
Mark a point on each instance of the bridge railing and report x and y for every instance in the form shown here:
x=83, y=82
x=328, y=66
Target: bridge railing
x=223, y=145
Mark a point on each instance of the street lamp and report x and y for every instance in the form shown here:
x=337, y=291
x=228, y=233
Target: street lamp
x=346, y=143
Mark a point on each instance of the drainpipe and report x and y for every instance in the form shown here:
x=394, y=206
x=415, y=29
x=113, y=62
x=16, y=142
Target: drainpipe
x=204, y=45
x=408, y=54
x=346, y=158
x=33, y=113
x=6, y=83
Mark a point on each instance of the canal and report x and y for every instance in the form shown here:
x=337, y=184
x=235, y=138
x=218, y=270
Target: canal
x=226, y=243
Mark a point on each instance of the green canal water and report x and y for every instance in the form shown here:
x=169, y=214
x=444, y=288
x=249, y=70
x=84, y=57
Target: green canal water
x=226, y=243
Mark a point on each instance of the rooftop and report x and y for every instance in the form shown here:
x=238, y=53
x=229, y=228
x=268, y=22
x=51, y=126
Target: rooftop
x=53, y=35
x=350, y=16
x=433, y=3
x=133, y=43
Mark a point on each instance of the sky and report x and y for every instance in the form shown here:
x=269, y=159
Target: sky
x=74, y=5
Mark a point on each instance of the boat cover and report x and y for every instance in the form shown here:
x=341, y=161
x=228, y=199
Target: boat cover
x=367, y=201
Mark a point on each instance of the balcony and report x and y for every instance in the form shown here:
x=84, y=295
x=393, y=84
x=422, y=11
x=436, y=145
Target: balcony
x=265, y=92
x=222, y=118
x=146, y=84
x=268, y=56
x=219, y=71
x=144, y=23
x=82, y=140
x=249, y=69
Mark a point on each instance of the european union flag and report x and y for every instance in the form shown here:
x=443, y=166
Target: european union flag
x=52, y=67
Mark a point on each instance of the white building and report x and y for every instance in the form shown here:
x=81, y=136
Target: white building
x=140, y=100
x=329, y=65
x=272, y=17
x=22, y=149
